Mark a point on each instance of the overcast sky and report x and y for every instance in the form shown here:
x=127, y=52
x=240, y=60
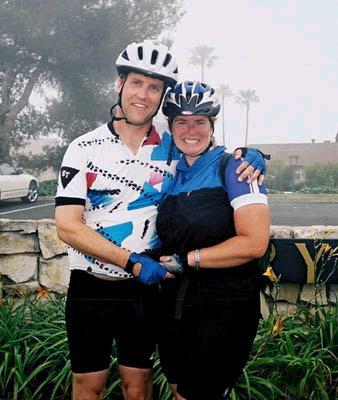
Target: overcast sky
x=286, y=50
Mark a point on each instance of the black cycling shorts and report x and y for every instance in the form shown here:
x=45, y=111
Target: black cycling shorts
x=99, y=311
x=205, y=351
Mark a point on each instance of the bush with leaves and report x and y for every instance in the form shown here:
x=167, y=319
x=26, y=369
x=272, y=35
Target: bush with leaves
x=48, y=188
x=295, y=359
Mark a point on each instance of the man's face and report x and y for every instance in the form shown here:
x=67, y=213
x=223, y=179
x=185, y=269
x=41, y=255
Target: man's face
x=141, y=97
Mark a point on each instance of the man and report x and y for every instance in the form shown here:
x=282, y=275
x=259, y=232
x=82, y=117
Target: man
x=110, y=184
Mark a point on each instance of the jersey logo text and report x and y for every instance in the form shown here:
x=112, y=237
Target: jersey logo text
x=67, y=174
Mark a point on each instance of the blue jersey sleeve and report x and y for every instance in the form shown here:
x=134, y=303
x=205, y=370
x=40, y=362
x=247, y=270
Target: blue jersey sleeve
x=241, y=193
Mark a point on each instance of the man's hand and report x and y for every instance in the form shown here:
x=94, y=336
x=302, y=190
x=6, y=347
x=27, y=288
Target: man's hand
x=172, y=264
x=253, y=165
x=146, y=270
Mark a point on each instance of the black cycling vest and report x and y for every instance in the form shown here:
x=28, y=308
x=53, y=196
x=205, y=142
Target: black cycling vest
x=194, y=220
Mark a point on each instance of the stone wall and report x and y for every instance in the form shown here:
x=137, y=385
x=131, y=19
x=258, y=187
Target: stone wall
x=34, y=260
x=32, y=257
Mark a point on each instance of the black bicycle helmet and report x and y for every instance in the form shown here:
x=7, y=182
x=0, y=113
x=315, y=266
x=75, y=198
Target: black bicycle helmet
x=190, y=98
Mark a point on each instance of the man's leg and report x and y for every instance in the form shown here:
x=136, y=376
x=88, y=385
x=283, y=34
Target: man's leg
x=136, y=340
x=89, y=385
x=136, y=383
x=88, y=310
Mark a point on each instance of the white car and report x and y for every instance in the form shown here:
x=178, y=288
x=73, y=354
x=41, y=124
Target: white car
x=14, y=183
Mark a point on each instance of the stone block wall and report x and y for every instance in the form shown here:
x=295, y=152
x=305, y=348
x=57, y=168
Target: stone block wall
x=32, y=259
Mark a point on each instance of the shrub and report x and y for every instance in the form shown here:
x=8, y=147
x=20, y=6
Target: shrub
x=298, y=362
x=319, y=190
x=48, y=188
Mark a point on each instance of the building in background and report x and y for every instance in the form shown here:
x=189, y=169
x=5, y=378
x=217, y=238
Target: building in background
x=300, y=155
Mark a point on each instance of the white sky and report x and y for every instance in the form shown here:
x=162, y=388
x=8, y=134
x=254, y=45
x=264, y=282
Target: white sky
x=286, y=50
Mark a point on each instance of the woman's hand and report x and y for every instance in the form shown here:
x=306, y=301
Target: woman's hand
x=172, y=264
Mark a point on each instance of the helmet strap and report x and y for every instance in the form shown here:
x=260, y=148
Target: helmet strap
x=206, y=149
x=171, y=151
x=113, y=116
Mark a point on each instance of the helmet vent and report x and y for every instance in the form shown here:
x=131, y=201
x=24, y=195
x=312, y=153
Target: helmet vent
x=125, y=55
x=190, y=98
x=149, y=58
x=140, y=52
x=167, y=60
x=154, y=56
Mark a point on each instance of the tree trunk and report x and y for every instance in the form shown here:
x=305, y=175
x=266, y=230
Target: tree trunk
x=9, y=112
x=247, y=123
x=4, y=148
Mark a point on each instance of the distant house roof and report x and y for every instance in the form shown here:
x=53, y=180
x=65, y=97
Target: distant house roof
x=301, y=154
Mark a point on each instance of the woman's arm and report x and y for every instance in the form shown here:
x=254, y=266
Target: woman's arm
x=252, y=224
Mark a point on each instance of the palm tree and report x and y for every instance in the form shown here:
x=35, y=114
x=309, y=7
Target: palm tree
x=202, y=55
x=246, y=97
x=224, y=91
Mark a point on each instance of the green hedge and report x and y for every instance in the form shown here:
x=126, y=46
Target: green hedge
x=48, y=188
x=299, y=362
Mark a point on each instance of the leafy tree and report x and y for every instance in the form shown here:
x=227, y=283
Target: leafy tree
x=322, y=174
x=202, y=55
x=247, y=97
x=224, y=91
x=51, y=156
x=69, y=46
x=279, y=176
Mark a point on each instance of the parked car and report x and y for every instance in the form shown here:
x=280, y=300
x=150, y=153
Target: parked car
x=14, y=183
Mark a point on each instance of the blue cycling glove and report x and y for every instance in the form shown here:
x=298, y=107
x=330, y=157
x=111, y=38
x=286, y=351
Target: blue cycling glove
x=255, y=158
x=151, y=271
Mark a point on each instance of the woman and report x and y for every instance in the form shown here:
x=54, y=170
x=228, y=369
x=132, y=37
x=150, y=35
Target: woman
x=219, y=231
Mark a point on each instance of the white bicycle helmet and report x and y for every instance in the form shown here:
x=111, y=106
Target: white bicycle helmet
x=150, y=59
x=191, y=98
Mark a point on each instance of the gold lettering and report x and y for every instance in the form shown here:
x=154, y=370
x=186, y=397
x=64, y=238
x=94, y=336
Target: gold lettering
x=310, y=263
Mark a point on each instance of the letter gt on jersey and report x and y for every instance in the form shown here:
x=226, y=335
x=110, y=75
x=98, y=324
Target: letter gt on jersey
x=67, y=174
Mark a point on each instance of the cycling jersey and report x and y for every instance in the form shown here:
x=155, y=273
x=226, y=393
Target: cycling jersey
x=120, y=191
x=198, y=211
x=205, y=173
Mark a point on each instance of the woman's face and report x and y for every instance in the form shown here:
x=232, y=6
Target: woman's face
x=192, y=135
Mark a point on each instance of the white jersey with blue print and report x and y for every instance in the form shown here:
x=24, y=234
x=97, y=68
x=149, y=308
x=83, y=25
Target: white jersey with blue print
x=205, y=173
x=120, y=191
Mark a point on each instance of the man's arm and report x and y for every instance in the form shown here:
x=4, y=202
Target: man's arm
x=253, y=165
x=72, y=230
